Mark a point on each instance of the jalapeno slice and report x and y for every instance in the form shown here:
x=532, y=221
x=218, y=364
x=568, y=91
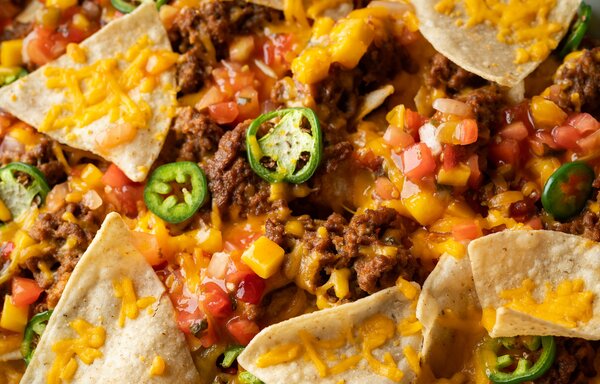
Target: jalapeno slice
x=35, y=326
x=567, y=190
x=291, y=149
x=128, y=6
x=18, y=194
x=176, y=191
x=524, y=371
x=579, y=29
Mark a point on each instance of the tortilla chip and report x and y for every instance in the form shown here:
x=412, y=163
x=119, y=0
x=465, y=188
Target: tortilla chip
x=504, y=260
x=30, y=100
x=128, y=351
x=330, y=324
x=477, y=49
x=449, y=291
x=374, y=100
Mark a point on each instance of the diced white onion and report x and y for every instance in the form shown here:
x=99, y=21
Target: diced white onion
x=265, y=68
x=12, y=146
x=56, y=197
x=217, y=267
x=91, y=200
x=428, y=136
x=452, y=107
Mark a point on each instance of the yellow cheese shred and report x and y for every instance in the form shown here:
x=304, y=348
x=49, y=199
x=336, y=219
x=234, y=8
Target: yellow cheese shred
x=130, y=305
x=86, y=347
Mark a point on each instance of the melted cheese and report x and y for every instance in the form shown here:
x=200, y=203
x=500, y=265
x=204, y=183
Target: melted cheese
x=130, y=304
x=104, y=88
x=86, y=347
x=517, y=21
x=566, y=305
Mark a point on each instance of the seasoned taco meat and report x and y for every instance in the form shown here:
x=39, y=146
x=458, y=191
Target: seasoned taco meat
x=574, y=362
x=196, y=135
x=448, y=76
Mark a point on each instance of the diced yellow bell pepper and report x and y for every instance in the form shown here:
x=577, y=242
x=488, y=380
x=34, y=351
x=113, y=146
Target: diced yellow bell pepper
x=80, y=21
x=10, y=53
x=457, y=176
x=23, y=135
x=5, y=214
x=350, y=39
x=13, y=318
x=61, y=4
x=541, y=168
x=92, y=176
x=210, y=240
x=451, y=247
x=545, y=113
x=424, y=207
x=460, y=209
x=396, y=116
x=264, y=257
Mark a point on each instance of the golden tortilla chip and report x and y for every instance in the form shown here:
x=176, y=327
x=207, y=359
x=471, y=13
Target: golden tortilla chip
x=328, y=346
x=538, y=283
x=449, y=310
x=477, y=48
x=30, y=99
x=127, y=353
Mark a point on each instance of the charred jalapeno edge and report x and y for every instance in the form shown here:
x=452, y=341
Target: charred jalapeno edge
x=230, y=355
x=36, y=325
x=524, y=370
x=128, y=6
x=584, y=15
x=567, y=190
x=284, y=143
x=169, y=208
x=17, y=197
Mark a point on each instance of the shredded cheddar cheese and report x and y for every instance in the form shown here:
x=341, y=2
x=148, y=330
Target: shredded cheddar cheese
x=86, y=347
x=566, y=305
x=130, y=304
x=158, y=366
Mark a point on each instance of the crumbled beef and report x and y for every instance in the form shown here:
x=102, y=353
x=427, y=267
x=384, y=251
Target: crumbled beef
x=15, y=31
x=357, y=244
x=218, y=22
x=486, y=103
x=446, y=75
x=586, y=224
x=577, y=83
x=335, y=154
x=231, y=181
x=196, y=135
x=574, y=363
x=42, y=156
x=64, y=243
x=275, y=230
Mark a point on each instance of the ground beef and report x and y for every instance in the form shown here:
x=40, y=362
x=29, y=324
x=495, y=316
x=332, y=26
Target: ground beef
x=231, y=181
x=219, y=22
x=65, y=243
x=587, y=224
x=444, y=74
x=486, y=103
x=196, y=135
x=577, y=83
x=16, y=31
x=42, y=156
x=574, y=362
x=353, y=245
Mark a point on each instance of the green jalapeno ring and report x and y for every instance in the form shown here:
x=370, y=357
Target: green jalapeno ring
x=36, y=325
x=567, y=190
x=159, y=184
x=579, y=29
x=18, y=197
x=284, y=144
x=525, y=372
x=128, y=6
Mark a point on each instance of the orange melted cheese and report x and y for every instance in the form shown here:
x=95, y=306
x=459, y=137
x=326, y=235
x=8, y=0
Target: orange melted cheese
x=130, y=304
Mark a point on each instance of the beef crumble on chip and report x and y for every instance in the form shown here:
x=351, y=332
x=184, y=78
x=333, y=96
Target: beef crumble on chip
x=269, y=191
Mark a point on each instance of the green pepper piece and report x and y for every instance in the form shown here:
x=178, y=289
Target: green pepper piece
x=525, y=371
x=164, y=200
x=128, y=6
x=16, y=196
x=248, y=378
x=578, y=30
x=230, y=354
x=567, y=190
x=284, y=145
x=35, y=326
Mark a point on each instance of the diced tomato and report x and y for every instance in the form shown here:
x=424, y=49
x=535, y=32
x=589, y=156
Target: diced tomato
x=519, y=112
x=584, y=122
x=367, y=158
x=416, y=162
x=475, y=177
x=249, y=287
x=224, y=113
x=590, y=143
x=6, y=249
x=535, y=223
x=397, y=138
x=247, y=103
x=147, y=245
x=126, y=198
x=452, y=155
x=566, y=136
x=41, y=50
x=25, y=291
x=274, y=51
x=505, y=151
x=242, y=330
x=114, y=177
x=466, y=231
x=517, y=131
x=216, y=300
x=413, y=121
x=467, y=131
x=386, y=189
